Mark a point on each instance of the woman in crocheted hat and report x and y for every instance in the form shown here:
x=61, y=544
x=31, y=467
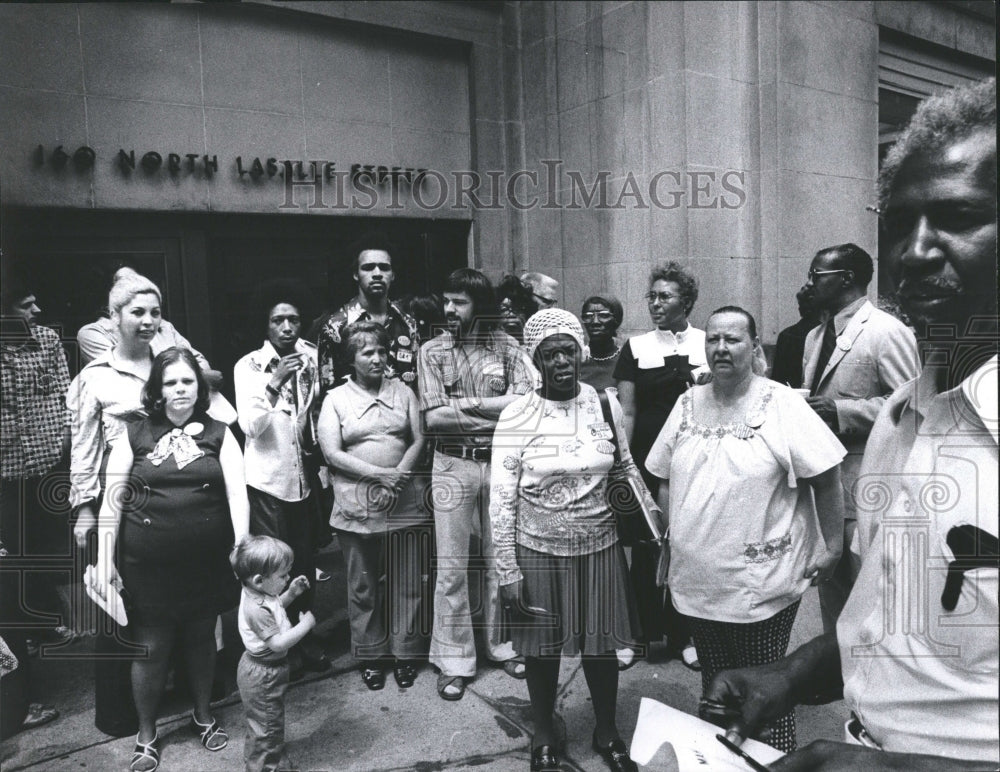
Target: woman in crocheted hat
x=563, y=577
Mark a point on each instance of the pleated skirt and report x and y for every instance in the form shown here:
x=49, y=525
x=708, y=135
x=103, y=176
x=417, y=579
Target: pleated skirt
x=580, y=604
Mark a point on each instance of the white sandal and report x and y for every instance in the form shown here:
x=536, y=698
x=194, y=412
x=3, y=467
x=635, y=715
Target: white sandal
x=213, y=737
x=143, y=751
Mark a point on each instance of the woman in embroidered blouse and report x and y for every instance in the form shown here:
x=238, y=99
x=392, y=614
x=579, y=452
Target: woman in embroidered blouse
x=751, y=487
x=177, y=508
x=561, y=569
x=370, y=432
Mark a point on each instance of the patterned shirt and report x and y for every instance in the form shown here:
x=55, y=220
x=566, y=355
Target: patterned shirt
x=35, y=380
x=404, y=342
x=549, y=477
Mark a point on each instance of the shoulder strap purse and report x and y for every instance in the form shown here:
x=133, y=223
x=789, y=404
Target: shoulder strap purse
x=630, y=502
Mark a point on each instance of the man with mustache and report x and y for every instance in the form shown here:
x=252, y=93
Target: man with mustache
x=468, y=375
x=851, y=364
x=916, y=647
x=374, y=276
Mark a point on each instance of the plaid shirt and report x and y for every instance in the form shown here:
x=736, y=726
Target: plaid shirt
x=34, y=384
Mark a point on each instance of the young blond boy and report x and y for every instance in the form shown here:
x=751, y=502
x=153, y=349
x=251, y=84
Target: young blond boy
x=262, y=564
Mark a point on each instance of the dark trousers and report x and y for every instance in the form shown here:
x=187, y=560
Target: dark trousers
x=35, y=530
x=384, y=592
x=657, y=615
x=293, y=522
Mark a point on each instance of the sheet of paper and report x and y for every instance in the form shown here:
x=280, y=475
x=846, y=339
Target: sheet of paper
x=668, y=740
x=112, y=605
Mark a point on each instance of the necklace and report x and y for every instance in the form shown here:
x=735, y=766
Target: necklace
x=612, y=355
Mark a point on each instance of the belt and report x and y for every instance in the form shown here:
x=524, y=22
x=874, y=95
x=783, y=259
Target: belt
x=468, y=452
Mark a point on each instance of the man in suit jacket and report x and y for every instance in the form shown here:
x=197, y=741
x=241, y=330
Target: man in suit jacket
x=851, y=364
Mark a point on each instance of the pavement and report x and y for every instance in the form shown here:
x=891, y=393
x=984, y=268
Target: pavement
x=334, y=723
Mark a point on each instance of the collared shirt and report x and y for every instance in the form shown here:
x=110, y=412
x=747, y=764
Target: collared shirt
x=100, y=336
x=273, y=454
x=923, y=678
x=102, y=399
x=404, y=343
x=33, y=394
x=492, y=366
x=261, y=617
x=374, y=428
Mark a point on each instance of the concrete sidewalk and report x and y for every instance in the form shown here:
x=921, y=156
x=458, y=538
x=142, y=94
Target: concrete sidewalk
x=335, y=723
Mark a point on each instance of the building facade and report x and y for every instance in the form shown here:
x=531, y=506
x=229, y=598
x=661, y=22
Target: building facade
x=213, y=146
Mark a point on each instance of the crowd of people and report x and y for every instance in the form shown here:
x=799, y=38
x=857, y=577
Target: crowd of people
x=489, y=421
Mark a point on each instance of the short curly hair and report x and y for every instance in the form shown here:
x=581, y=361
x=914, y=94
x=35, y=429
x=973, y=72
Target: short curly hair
x=676, y=273
x=939, y=121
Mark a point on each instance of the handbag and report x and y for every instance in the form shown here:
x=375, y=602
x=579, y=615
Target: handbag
x=633, y=507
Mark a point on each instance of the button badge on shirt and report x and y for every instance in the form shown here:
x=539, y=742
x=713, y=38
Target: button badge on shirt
x=601, y=431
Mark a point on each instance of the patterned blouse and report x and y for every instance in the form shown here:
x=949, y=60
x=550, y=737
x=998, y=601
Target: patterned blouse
x=34, y=383
x=549, y=474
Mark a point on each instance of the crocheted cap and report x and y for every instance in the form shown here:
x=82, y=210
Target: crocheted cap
x=549, y=322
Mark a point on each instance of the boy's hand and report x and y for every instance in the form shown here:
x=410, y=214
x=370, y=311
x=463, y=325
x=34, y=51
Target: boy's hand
x=298, y=586
x=306, y=618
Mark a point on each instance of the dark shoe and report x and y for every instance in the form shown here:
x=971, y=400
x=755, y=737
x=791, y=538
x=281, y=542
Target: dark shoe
x=615, y=756
x=450, y=687
x=373, y=676
x=39, y=715
x=311, y=655
x=405, y=673
x=544, y=759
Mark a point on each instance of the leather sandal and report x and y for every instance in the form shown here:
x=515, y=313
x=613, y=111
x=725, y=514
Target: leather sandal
x=515, y=668
x=444, y=681
x=213, y=737
x=146, y=756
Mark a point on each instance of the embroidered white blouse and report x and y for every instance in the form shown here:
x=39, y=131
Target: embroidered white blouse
x=742, y=529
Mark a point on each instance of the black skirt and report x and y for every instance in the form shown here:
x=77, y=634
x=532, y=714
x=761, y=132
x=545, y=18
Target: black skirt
x=585, y=600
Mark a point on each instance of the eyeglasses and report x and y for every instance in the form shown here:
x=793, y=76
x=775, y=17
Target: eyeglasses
x=663, y=297
x=543, y=302
x=813, y=273
x=597, y=316
x=383, y=267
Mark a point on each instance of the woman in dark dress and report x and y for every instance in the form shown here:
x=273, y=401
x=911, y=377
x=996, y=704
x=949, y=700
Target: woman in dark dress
x=602, y=316
x=653, y=371
x=179, y=505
